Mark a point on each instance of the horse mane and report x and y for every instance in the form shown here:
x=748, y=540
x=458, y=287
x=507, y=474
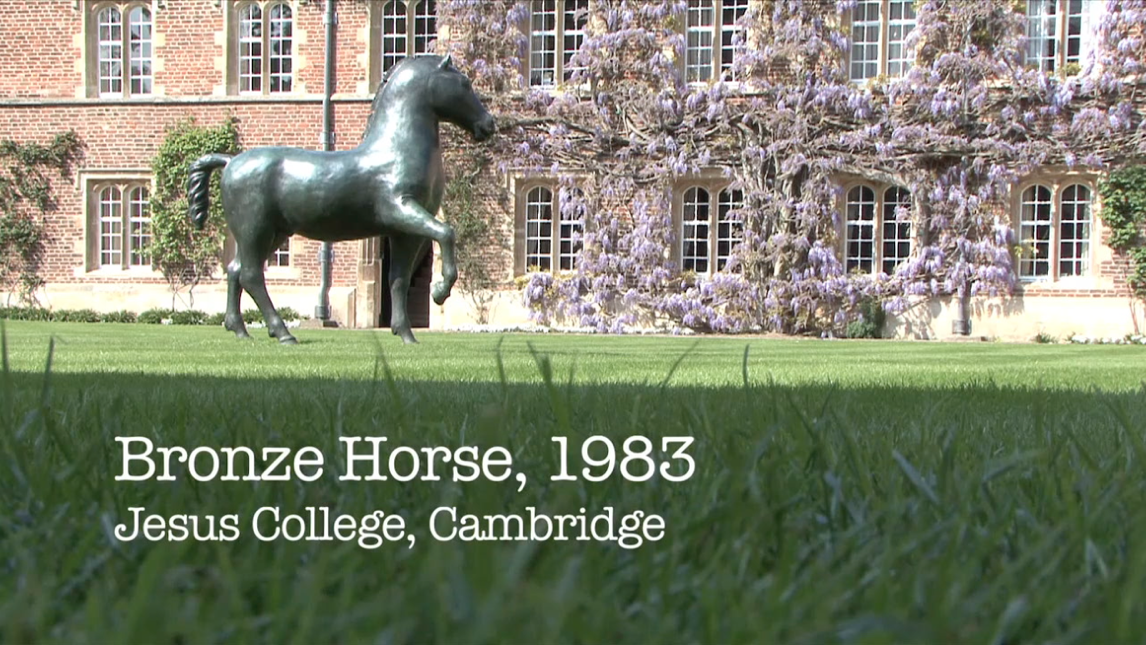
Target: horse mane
x=384, y=83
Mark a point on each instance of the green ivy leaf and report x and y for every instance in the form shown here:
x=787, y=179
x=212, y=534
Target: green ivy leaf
x=187, y=256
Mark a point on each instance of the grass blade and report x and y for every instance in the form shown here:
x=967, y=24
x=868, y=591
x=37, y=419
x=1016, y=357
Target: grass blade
x=916, y=479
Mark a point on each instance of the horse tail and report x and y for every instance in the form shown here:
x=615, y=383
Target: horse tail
x=198, y=195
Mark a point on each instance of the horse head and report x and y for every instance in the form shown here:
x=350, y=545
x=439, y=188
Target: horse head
x=448, y=92
x=453, y=97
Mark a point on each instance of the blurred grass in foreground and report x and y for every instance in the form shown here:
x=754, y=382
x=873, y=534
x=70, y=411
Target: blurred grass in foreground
x=844, y=492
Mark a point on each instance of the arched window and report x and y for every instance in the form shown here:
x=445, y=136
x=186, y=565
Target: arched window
x=408, y=28
x=266, y=46
x=1055, y=227
x=554, y=221
x=395, y=34
x=110, y=24
x=711, y=226
x=124, y=218
x=695, y=230
x=860, y=230
x=113, y=40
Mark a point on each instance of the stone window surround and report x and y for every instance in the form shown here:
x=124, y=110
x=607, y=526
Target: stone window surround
x=86, y=42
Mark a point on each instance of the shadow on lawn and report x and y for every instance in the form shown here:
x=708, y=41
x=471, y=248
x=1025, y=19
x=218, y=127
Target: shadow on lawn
x=301, y=406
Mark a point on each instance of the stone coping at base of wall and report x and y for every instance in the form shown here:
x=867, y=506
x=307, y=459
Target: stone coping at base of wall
x=1077, y=339
x=542, y=329
x=291, y=324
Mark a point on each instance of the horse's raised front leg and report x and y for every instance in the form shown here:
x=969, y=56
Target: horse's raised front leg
x=406, y=253
x=410, y=218
x=233, y=320
x=252, y=278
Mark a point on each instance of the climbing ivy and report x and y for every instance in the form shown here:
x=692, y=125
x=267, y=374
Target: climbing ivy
x=187, y=256
x=26, y=198
x=476, y=235
x=1124, y=212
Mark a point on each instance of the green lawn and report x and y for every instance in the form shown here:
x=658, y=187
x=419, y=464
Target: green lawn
x=843, y=492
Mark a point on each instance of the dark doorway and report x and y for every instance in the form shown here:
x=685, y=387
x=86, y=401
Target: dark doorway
x=418, y=301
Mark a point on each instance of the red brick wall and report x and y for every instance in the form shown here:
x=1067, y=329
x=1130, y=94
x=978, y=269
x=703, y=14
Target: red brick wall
x=40, y=73
x=39, y=56
x=125, y=137
x=41, y=52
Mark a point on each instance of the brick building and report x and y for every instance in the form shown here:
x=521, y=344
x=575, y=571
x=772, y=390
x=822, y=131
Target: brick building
x=120, y=71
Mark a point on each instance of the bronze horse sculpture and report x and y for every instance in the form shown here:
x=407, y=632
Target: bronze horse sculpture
x=390, y=185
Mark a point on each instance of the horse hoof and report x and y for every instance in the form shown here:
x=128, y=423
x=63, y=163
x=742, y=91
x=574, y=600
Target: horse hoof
x=441, y=293
x=406, y=335
x=288, y=340
x=240, y=332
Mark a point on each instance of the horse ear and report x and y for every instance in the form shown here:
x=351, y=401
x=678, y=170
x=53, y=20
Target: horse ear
x=446, y=62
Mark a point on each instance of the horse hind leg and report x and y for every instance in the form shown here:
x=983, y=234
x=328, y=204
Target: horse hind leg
x=233, y=319
x=252, y=279
x=406, y=252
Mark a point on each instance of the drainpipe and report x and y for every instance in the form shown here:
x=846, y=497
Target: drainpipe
x=326, y=253
x=961, y=325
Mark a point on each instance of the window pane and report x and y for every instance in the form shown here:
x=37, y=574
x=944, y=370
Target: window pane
x=280, y=41
x=141, y=46
x=570, y=230
x=543, y=43
x=251, y=49
x=860, y=231
x=896, y=228
x=110, y=51
x=281, y=256
x=1042, y=35
x=900, y=24
x=865, y=40
x=574, y=20
x=695, y=230
x=729, y=225
x=1074, y=232
x=1035, y=232
x=732, y=10
x=111, y=227
x=1074, y=31
x=393, y=34
x=425, y=26
x=139, y=227
x=698, y=41
x=539, y=229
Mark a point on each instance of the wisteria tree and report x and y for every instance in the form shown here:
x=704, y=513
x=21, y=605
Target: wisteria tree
x=783, y=124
